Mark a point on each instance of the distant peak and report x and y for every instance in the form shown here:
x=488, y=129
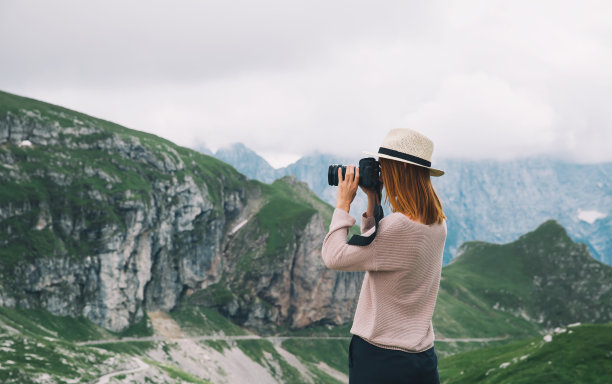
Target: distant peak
x=234, y=147
x=547, y=230
x=550, y=225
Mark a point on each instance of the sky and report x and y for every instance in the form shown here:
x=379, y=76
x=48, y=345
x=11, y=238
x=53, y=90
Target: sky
x=482, y=79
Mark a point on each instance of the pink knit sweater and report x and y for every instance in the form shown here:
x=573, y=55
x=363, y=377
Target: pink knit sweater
x=400, y=287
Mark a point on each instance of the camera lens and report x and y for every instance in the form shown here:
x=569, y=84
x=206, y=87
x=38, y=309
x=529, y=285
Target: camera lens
x=332, y=173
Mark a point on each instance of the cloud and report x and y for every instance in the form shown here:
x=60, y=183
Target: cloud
x=483, y=79
x=485, y=117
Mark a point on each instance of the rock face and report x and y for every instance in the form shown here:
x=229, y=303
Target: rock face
x=293, y=278
x=100, y=221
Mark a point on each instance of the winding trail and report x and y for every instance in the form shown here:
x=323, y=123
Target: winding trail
x=273, y=339
x=166, y=329
x=142, y=366
x=471, y=339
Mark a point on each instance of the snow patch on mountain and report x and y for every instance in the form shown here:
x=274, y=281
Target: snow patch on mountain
x=237, y=227
x=590, y=216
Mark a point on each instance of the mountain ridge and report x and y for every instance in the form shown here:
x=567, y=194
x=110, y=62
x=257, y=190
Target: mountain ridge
x=494, y=200
x=540, y=281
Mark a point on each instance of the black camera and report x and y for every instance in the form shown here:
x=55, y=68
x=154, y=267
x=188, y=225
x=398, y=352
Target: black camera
x=369, y=173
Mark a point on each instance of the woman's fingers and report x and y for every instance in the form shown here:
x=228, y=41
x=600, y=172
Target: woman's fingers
x=352, y=176
x=350, y=173
x=347, y=187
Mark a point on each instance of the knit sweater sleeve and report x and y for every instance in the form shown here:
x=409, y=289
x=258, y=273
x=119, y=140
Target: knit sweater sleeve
x=367, y=223
x=339, y=255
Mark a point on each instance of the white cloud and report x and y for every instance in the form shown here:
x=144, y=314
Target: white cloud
x=485, y=116
x=483, y=79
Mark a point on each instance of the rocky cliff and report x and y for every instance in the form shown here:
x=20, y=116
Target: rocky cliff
x=100, y=221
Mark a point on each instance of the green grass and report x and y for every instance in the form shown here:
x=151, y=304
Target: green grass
x=281, y=217
x=214, y=295
x=449, y=348
x=332, y=352
x=581, y=355
x=317, y=331
x=264, y=353
x=38, y=322
x=177, y=373
x=136, y=348
x=142, y=328
x=196, y=320
x=322, y=377
x=24, y=358
x=520, y=288
x=461, y=313
x=217, y=345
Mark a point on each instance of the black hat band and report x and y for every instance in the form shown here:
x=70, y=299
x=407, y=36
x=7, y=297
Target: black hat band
x=404, y=156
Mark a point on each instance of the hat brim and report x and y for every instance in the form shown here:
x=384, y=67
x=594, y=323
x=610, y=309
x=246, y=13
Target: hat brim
x=432, y=171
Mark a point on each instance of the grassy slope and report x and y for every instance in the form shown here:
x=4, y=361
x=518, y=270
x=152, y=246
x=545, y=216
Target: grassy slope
x=196, y=320
x=35, y=343
x=489, y=276
x=581, y=355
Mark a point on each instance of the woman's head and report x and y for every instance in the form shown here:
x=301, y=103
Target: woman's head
x=409, y=191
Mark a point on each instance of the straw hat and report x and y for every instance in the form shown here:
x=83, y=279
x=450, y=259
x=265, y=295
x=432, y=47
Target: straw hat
x=408, y=146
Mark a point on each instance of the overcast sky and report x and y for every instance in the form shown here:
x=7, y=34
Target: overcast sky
x=483, y=79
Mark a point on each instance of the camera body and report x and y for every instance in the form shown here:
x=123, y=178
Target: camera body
x=369, y=173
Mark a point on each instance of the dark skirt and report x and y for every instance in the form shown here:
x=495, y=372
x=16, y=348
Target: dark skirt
x=369, y=364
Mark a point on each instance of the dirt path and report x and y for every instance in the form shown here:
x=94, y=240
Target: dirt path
x=471, y=339
x=229, y=366
x=142, y=366
x=276, y=340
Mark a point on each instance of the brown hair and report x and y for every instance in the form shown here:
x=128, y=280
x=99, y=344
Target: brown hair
x=409, y=191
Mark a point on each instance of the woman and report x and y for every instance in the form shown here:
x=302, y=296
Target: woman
x=392, y=330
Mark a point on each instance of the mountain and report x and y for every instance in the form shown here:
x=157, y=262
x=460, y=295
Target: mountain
x=541, y=281
x=311, y=169
x=104, y=222
x=577, y=354
x=247, y=162
x=498, y=201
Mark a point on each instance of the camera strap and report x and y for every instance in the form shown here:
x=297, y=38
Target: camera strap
x=362, y=241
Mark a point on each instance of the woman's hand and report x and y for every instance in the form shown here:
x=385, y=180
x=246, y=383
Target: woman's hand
x=374, y=197
x=371, y=193
x=373, y=200
x=347, y=187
